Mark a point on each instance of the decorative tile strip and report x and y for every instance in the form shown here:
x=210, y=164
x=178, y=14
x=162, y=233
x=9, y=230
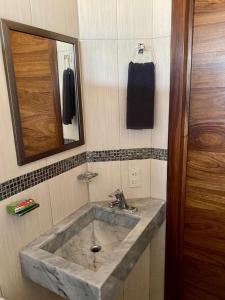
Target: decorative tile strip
x=107, y=155
x=127, y=154
x=21, y=183
x=159, y=154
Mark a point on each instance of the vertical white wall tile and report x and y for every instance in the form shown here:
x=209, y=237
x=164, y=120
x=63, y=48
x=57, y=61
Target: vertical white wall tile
x=67, y=193
x=126, y=53
x=162, y=53
x=16, y=10
x=56, y=15
x=143, y=190
x=100, y=94
x=136, y=285
x=162, y=18
x=157, y=266
x=134, y=19
x=16, y=233
x=108, y=180
x=158, y=179
x=97, y=19
x=66, y=154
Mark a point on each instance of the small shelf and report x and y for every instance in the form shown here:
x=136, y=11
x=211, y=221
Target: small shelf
x=87, y=176
x=22, y=213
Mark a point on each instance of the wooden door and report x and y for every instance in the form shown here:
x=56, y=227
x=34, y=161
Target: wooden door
x=204, y=211
x=196, y=204
x=34, y=60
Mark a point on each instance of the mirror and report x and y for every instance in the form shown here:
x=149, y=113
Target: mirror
x=43, y=78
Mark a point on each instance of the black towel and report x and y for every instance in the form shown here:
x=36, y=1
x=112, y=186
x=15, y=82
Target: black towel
x=140, y=96
x=69, y=99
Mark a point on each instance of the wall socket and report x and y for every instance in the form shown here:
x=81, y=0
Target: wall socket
x=134, y=176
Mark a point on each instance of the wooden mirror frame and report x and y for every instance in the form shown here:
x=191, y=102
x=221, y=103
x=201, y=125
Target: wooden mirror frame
x=6, y=26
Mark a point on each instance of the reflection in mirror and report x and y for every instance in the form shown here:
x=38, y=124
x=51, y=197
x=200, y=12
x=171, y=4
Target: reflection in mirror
x=42, y=69
x=68, y=91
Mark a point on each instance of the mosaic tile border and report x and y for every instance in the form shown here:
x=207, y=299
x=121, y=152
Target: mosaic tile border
x=21, y=183
x=24, y=182
x=127, y=154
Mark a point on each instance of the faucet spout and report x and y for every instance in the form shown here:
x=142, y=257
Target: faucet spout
x=120, y=200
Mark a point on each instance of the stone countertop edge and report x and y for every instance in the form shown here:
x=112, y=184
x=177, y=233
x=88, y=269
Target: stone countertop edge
x=72, y=281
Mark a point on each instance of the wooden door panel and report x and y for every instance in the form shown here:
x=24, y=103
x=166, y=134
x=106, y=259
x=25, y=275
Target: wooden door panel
x=204, y=235
x=213, y=101
x=204, y=207
x=203, y=197
x=208, y=137
x=195, y=293
x=205, y=277
x=196, y=201
x=206, y=170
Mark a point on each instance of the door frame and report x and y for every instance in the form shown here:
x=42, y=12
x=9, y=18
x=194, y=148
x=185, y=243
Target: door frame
x=181, y=61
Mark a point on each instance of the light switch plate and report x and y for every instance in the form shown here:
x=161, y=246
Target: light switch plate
x=134, y=176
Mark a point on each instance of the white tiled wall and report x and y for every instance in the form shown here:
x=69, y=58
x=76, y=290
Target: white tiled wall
x=134, y=19
x=100, y=93
x=108, y=180
x=109, y=32
x=161, y=18
x=97, y=19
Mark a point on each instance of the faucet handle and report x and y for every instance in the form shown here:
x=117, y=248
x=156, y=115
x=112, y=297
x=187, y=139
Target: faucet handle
x=113, y=195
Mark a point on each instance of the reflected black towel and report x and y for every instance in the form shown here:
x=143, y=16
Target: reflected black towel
x=69, y=100
x=140, y=96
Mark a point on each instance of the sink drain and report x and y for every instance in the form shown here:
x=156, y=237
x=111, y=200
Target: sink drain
x=96, y=249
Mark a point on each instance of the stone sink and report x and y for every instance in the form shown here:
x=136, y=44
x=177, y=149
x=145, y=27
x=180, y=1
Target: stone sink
x=90, y=253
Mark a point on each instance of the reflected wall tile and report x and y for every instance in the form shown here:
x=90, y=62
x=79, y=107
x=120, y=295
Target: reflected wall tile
x=126, y=53
x=97, y=19
x=107, y=181
x=134, y=19
x=100, y=94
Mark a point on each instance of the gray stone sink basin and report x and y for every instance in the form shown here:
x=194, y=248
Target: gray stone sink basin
x=89, y=254
x=91, y=240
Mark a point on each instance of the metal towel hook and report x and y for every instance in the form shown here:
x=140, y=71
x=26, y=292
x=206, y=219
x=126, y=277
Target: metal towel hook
x=141, y=48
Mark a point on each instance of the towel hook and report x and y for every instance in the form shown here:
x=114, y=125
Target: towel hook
x=141, y=48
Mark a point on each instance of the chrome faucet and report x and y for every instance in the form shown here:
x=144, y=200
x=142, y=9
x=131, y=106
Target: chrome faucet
x=119, y=201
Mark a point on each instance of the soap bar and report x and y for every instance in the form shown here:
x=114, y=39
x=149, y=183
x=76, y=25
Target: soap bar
x=20, y=206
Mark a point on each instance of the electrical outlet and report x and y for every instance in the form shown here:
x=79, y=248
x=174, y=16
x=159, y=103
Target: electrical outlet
x=134, y=176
